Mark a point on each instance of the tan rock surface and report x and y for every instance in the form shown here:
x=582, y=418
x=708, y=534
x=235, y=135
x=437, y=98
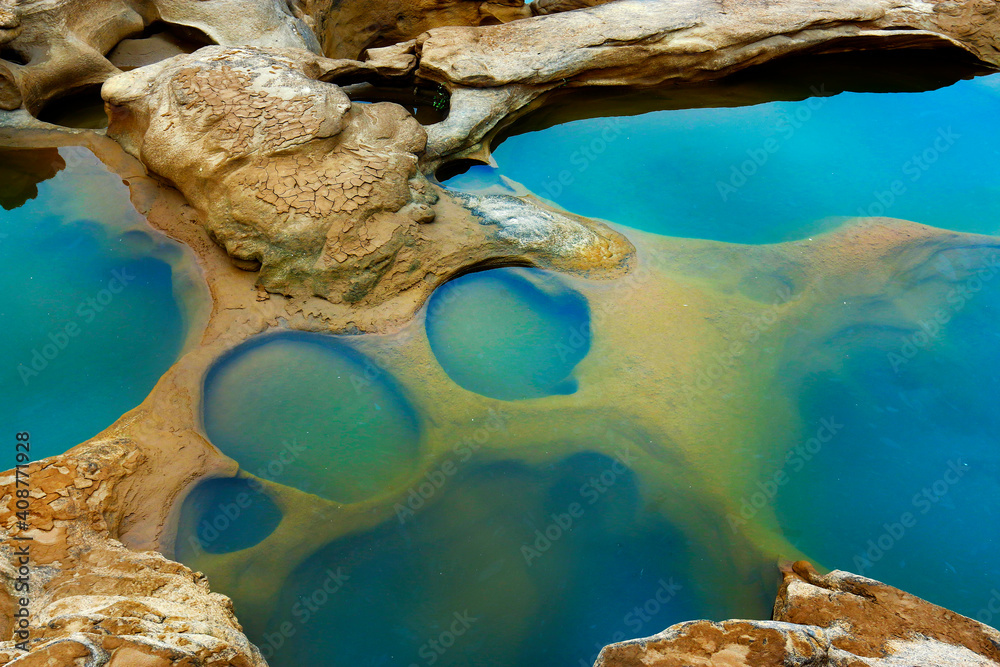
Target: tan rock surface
x=646, y=43
x=55, y=47
x=540, y=7
x=834, y=620
x=92, y=599
x=325, y=196
x=347, y=27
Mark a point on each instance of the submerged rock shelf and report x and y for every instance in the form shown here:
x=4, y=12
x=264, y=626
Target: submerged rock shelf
x=443, y=418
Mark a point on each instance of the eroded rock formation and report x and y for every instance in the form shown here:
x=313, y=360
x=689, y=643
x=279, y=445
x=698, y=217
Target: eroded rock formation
x=59, y=46
x=347, y=27
x=324, y=195
x=92, y=601
x=493, y=72
x=330, y=197
x=836, y=620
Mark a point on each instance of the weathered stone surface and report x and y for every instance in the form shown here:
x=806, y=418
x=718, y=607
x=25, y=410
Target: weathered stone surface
x=541, y=7
x=324, y=195
x=347, y=27
x=63, y=43
x=645, y=43
x=835, y=620
x=92, y=599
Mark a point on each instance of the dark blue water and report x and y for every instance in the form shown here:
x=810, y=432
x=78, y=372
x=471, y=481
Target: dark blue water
x=511, y=565
x=91, y=319
x=908, y=491
x=310, y=412
x=226, y=515
x=509, y=333
x=775, y=171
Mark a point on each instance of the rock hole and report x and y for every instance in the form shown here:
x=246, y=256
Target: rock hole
x=82, y=108
x=429, y=102
x=157, y=42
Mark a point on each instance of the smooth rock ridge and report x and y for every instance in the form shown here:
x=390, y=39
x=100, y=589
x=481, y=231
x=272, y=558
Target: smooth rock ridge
x=92, y=601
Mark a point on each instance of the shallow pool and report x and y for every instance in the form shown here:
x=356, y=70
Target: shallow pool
x=93, y=317
x=310, y=412
x=775, y=171
x=650, y=445
x=509, y=333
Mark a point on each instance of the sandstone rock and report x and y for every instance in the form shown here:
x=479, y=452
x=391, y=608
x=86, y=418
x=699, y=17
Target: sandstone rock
x=60, y=45
x=836, y=620
x=646, y=43
x=541, y=7
x=94, y=601
x=347, y=27
x=325, y=195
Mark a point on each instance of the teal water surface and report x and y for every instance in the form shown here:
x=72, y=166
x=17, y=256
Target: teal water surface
x=495, y=568
x=775, y=171
x=93, y=318
x=909, y=487
x=509, y=333
x=310, y=412
x=225, y=515
x=509, y=565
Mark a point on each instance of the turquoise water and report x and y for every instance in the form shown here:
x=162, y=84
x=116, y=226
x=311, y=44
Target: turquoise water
x=775, y=171
x=510, y=565
x=509, y=333
x=92, y=319
x=497, y=568
x=910, y=485
x=464, y=559
x=310, y=412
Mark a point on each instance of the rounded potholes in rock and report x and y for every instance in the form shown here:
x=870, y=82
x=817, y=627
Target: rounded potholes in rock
x=225, y=515
x=308, y=411
x=509, y=333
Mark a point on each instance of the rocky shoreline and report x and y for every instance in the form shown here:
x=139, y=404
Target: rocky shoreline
x=213, y=145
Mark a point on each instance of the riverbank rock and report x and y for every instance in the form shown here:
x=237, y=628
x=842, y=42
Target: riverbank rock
x=649, y=43
x=322, y=195
x=53, y=48
x=92, y=601
x=540, y=7
x=834, y=620
x=346, y=28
